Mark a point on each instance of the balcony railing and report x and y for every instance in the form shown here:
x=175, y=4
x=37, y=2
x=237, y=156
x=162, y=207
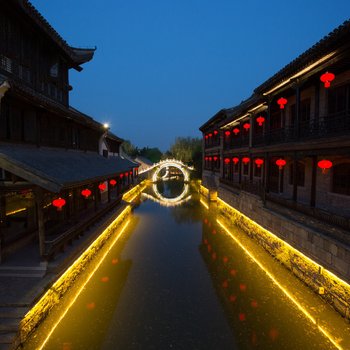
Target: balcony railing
x=335, y=124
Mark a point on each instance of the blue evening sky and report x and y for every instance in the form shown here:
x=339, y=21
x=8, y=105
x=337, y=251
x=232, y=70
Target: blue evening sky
x=164, y=67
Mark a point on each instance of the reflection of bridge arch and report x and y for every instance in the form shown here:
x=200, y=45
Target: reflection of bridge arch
x=169, y=202
x=157, y=167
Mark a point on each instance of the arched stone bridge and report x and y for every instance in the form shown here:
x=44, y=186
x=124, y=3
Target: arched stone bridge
x=155, y=169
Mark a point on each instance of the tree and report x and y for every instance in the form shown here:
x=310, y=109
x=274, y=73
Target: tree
x=189, y=151
x=130, y=149
x=153, y=154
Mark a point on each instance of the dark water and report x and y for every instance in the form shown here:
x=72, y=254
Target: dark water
x=176, y=280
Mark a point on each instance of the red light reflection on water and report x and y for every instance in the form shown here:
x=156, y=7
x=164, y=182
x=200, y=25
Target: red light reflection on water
x=105, y=279
x=115, y=261
x=242, y=316
x=273, y=334
x=90, y=306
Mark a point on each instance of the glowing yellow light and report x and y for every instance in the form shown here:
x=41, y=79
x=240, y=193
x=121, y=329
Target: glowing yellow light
x=134, y=192
x=15, y=211
x=285, y=291
x=305, y=70
x=83, y=286
x=204, y=204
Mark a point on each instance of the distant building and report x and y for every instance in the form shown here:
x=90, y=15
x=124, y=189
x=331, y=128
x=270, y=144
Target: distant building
x=145, y=163
x=59, y=168
x=289, y=145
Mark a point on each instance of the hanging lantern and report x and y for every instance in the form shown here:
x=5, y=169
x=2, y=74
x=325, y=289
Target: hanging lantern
x=227, y=133
x=282, y=102
x=59, y=203
x=206, y=136
x=102, y=187
x=121, y=176
x=235, y=160
x=205, y=158
x=215, y=159
x=326, y=78
x=86, y=193
x=260, y=120
x=325, y=164
x=215, y=132
x=281, y=163
x=246, y=126
x=130, y=172
x=235, y=131
x=259, y=162
x=113, y=182
x=245, y=160
x=227, y=160
x=126, y=174
x=210, y=159
x=210, y=135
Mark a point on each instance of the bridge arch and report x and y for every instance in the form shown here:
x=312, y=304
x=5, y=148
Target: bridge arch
x=171, y=163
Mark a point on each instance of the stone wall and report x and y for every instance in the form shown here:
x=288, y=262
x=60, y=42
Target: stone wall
x=329, y=256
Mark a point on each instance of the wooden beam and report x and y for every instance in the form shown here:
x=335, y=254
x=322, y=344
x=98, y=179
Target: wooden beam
x=40, y=219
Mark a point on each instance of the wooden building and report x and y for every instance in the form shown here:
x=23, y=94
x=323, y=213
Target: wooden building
x=59, y=168
x=289, y=143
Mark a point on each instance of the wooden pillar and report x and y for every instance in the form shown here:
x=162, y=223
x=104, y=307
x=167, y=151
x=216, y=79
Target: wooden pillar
x=251, y=168
x=109, y=191
x=295, y=180
x=2, y=223
x=96, y=196
x=297, y=111
x=313, y=182
x=268, y=121
x=251, y=121
x=240, y=170
x=39, y=202
x=265, y=179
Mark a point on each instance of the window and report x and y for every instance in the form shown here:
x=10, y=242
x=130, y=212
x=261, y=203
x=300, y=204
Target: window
x=341, y=176
x=337, y=99
x=6, y=63
x=300, y=174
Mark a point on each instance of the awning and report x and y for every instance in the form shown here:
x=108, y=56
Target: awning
x=56, y=169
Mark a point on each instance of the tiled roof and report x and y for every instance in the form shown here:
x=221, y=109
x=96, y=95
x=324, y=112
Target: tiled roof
x=78, y=56
x=338, y=37
x=55, y=169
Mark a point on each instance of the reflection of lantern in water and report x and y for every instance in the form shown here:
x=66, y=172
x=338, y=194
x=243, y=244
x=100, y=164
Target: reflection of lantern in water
x=242, y=316
x=232, y=298
x=233, y=272
x=254, y=303
x=225, y=259
x=242, y=287
x=225, y=284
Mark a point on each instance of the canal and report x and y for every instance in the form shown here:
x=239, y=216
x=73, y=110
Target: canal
x=180, y=277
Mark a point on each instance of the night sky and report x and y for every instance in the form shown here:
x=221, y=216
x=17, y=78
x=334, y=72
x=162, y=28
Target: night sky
x=164, y=67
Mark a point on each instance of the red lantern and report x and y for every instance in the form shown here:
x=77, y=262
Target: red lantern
x=227, y=133
x=215, y=132
x=260, y=120
x=245, y=160
x=206, y=136
x=282, y=101
x=326, y=78
x=210, y=135
x=210, y=159
x=215, y=159
x=113, y=182
x=325, y=164
x=205, y=158
x=121, y=176
x=246, y=126
x=102, y=187
x=235, y=131
x=59, y=203
x=126, y=174
x=259, y=162
x=86, y=193
x=227, y=160
x=281, y=163
x=235, y=160
x=130, y=172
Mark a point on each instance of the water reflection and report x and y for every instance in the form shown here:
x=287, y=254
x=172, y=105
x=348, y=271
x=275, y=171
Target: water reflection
x=259, y=316
x=169, y=193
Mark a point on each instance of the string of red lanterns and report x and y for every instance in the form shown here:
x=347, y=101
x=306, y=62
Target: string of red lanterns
x=327, y=78
x=282, y=102
x=86, y=193
x=59, y=203
x=246, y=126
x=235, y=131
x=260, y=120
x=281, y=163
x=325, y=164
x=259, y=162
